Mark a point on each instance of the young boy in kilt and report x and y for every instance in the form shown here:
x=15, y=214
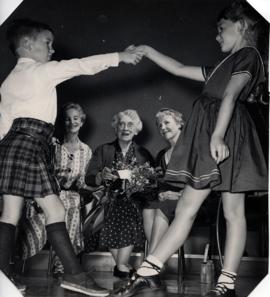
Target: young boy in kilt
x=28, y=111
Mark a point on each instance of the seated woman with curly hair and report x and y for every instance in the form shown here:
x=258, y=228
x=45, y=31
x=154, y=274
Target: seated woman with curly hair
x=123, y=229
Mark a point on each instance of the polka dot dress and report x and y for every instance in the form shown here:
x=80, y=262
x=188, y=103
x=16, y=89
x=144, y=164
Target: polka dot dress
x=123, y=223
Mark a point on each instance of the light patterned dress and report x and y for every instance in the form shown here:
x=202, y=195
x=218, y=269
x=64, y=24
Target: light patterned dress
x=70, y=171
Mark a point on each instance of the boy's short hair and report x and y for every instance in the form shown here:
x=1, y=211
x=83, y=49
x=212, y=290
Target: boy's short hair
x=23, y=27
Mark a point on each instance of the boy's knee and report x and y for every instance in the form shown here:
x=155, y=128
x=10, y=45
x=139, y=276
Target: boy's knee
x=56, y=215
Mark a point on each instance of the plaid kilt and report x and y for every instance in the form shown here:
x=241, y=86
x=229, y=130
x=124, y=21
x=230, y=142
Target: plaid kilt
x=26, y=162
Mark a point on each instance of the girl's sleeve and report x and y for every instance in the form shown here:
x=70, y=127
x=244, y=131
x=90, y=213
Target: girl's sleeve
x=248, y=61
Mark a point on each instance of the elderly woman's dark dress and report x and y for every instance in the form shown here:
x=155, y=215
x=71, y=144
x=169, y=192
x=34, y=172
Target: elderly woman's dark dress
x=123, y=219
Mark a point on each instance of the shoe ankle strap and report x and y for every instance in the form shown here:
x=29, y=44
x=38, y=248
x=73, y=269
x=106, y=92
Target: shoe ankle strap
x=228, y=274
x=153, y=266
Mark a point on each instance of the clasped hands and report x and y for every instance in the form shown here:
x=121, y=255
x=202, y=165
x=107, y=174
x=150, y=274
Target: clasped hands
x=133, y=54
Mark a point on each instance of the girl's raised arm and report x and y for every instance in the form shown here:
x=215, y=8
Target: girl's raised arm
x=171, y=65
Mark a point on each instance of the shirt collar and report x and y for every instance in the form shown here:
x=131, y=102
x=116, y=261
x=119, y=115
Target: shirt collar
x=24, y=59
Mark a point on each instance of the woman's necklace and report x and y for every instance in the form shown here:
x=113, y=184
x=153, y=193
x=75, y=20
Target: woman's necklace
x=72, y=146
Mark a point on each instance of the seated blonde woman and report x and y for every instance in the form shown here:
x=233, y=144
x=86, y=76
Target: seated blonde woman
x=158, y=214
x=71, y=160
x=123, y=221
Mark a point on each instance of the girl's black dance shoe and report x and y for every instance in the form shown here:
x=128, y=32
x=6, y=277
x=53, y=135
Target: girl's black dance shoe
x=221, y=291
x=139, y=284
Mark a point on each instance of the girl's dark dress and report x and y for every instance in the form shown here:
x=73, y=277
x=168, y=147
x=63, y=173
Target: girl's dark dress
x=191, y=162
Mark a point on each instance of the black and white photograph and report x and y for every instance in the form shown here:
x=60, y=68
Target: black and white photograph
x=134, y=148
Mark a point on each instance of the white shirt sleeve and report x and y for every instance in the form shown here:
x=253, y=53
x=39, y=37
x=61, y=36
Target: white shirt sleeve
x=66, y=69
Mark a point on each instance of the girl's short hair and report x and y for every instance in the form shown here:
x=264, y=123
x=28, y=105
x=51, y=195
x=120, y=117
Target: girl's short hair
x=176, y=115
x=21, y=28
x=132, y=114
x=244, y=12
x=76, y=106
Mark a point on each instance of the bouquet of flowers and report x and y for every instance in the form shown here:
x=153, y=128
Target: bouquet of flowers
x=136, y=178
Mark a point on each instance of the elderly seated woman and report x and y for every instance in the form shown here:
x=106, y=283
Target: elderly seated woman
x=123, y=229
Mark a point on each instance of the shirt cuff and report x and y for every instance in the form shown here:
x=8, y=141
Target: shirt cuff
x=115, y=59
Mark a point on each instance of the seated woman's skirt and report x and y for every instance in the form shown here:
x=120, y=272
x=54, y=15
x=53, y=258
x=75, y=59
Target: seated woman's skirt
x=26, y=163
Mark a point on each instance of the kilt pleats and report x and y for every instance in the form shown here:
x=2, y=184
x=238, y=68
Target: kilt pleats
x=26, y=160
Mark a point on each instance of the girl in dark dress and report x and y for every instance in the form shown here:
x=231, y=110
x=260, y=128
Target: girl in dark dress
x=123, y=229
x=159, y=213
x=218, y=148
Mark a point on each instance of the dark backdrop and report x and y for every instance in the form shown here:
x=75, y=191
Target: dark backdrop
x=183, y=29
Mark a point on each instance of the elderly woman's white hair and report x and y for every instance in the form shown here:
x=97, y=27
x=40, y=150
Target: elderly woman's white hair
x=132, y=114
x=176, y=115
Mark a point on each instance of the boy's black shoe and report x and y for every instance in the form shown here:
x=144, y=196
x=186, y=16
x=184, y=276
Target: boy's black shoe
x=139, y=284
x=21, y=287
x=84, y=284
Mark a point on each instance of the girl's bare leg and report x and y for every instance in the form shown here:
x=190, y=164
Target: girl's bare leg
x=234, y=213
x=179, y=229
x=148, y=220
x=160, y=226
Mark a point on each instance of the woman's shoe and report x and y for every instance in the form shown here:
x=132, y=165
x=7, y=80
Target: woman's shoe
x=119, y=273
x=58, y=271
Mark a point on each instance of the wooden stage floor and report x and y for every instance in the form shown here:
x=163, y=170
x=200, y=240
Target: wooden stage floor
x=42, y=286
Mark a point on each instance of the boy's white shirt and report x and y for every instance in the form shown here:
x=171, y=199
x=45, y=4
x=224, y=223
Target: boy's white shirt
x=30, y=88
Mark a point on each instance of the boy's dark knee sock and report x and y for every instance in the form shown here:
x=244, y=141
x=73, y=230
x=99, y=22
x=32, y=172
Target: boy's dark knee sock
x=58, y=237
x=7, y=244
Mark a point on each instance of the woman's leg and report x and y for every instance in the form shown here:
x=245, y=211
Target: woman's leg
x=12, y=207
x=114, y=253
x=160, y=226
x=148, y=220
x=123, y=257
